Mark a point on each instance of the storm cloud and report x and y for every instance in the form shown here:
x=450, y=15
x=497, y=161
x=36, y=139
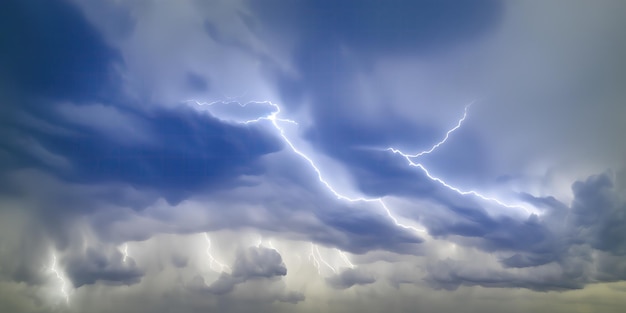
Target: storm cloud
x=255, y=155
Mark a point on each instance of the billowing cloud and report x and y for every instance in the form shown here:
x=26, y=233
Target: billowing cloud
x=349, y=278
x=94, y=265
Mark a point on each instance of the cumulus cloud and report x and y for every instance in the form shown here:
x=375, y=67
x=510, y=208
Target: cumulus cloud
x=257, y=266
x=94, y=265
x=567, y=252
x=597, y=214
x=258, y=262
x=252, y=263
x=349, y=278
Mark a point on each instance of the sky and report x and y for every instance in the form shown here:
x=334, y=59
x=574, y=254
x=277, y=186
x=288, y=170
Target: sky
x=312, y=156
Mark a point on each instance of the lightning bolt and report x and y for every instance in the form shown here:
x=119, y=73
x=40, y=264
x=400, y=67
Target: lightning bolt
x=269, y=244
x=317, y=250
x=125, y=252
x=441, y=142
x=272, y=246
x=55, y=270
x=459, y=191
x=212, y=259
x=409, y=158
x=344, y=257
x=316, y=257
x=274, y=119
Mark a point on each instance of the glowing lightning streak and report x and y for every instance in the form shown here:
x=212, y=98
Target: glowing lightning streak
x=212, y=260
x=435, y=146
x=273, y=119
x=317, y=259
x=457, y=190
x=125, y=252
x=54, y=269
x=409, y=158
x=344, y=257
x=314, y=259
x=272, y=246
x=269, y=244
x=317, y=250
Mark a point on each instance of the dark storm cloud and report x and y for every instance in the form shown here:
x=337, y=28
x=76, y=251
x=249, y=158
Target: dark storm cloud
x=80, y=149
x=50, y=53
x=369, y=30
x=336, y=42
x=598, y=214
x=55, y=56
x=377, y=26
x=50, y=50
x=183, y=150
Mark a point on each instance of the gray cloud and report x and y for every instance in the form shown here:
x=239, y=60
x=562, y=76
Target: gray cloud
x=256, y=266
x=95, y=264
x=597, y=214
x=258, y=262
x=349, y=278
x=252, y=263
x=569, y=250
